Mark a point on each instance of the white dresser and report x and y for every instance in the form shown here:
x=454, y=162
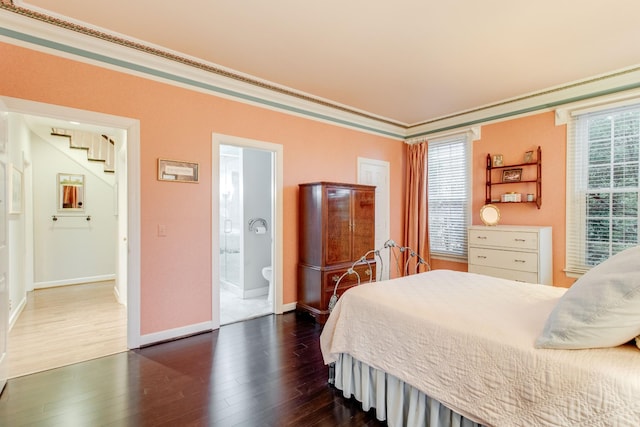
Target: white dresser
x=522, y=253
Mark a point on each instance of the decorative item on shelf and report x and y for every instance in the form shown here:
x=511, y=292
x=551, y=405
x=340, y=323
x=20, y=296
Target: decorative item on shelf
x=512, y=175
x=497, y=160
x=490, y=214
x=528, y=157
x=530, y=197
x=511, y=197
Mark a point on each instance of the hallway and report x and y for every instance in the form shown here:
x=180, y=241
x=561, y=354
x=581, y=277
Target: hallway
x=64, y=325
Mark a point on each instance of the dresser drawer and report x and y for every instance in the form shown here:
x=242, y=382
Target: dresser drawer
x=520, y=261
x=504, y=239
x=330, y=277
x=518, y=276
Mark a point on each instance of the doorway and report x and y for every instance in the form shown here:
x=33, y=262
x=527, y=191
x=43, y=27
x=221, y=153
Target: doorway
x=246, y=245
x=125, y=282
x=247, y=236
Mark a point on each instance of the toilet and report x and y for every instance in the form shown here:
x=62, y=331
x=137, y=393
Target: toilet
x=267, y=273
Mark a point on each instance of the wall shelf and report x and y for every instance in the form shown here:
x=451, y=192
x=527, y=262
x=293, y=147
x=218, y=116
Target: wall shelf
x=537, y=180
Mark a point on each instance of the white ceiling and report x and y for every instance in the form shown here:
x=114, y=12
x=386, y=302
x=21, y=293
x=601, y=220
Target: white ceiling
x=409, y=61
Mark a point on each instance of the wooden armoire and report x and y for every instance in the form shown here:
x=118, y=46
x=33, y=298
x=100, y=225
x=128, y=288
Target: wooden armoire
x=337, y=227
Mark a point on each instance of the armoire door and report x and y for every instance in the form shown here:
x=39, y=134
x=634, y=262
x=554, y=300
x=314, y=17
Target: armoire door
x=338, y=225
x=363, y=222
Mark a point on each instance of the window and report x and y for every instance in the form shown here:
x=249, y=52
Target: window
x=602, y=185
x=448, y=195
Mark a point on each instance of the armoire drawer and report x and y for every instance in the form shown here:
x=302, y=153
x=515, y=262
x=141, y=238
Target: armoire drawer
x=512, y=260
x=508, y=240
x=330, y=277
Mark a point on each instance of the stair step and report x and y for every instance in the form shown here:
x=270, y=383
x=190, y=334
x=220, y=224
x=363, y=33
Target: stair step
x=99, y=147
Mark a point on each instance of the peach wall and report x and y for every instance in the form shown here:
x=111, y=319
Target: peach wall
x=511, y=139
x=177, y=123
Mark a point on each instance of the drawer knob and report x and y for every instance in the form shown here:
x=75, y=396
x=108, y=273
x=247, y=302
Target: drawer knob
x=520, y=240
x=482, y=257
x=368, y=272
x=520, y=260
x=481, y=237
x=335, y=277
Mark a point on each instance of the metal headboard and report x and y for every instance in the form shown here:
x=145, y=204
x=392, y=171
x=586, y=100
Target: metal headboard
x=393, y=248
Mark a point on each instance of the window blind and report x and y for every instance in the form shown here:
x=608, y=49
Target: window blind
x=448, y=195
x=603, y=149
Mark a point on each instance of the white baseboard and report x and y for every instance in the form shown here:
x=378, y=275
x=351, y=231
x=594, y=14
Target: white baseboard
x=255, y=293
x=16, y=313
x=172, y=334
x=75, y=281
x=244, y=293
x=289, y=307
x=119, y=298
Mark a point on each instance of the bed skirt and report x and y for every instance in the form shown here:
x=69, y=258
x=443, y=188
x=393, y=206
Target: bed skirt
x=394, y=401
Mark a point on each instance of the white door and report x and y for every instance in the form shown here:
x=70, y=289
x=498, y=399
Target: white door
x=4, y=251
x=376, y=172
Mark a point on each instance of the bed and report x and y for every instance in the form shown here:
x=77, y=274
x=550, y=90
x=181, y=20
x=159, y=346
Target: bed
x=450, y=348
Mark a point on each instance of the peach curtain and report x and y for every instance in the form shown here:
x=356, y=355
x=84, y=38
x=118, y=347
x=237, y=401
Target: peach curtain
x=416, y=229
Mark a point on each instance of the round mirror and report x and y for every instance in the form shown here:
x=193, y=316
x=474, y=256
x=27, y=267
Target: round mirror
x=490, y=214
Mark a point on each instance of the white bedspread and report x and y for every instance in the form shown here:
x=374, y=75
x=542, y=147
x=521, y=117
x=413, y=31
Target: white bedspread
x=467, y=341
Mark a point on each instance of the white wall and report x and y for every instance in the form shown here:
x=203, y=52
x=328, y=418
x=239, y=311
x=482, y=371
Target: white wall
x=257, y=204
x=70, y=250
x=18, y=156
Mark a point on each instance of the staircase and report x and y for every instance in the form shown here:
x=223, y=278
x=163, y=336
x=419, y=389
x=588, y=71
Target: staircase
x=100, y=148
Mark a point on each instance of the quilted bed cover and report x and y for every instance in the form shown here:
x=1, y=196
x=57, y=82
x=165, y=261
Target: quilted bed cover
x=467, y=340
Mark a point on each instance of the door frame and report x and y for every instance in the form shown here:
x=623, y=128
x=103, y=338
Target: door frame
x=277, y=215
x=131, y=127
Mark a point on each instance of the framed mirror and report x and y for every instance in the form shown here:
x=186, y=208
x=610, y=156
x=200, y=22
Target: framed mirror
x=70, y=192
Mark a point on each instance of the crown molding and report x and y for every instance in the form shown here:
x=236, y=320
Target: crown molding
x=60, y=36
x=614, y=85
x=45, y=33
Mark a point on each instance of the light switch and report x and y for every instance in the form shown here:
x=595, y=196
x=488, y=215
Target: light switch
x=162, y=230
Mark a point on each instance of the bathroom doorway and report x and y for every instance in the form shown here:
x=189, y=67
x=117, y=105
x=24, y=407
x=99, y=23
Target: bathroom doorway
x=246, y=213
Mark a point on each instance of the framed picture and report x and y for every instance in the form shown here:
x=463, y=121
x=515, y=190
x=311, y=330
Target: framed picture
x=497, y=160
x=528, y=157
x=177, y=171
x=15, y=187
x=512, y=175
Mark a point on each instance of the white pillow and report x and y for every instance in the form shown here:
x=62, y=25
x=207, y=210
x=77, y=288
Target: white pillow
x=601, y=309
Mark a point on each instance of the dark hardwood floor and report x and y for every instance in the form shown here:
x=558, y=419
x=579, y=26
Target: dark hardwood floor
x=261, y=372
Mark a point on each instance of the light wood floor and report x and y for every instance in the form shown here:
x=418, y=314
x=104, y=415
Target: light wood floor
x=65, y=325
